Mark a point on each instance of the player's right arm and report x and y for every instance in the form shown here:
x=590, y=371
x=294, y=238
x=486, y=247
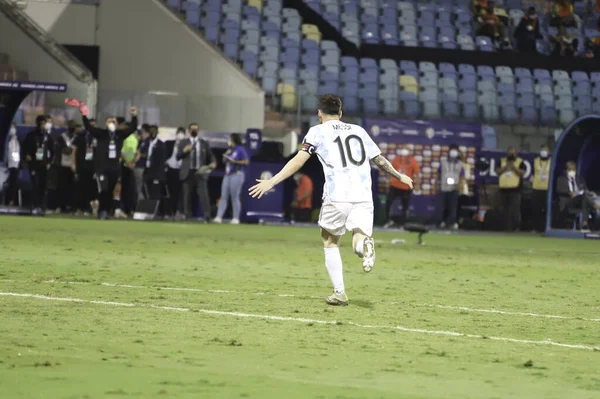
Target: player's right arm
x=385, y=165
x=288, y=170
x=309, y=147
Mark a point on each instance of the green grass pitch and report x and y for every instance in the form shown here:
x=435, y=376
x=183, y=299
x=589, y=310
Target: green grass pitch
x=94, y=309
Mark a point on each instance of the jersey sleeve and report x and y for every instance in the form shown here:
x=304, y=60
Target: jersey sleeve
x=371, y=148
x=311, y=141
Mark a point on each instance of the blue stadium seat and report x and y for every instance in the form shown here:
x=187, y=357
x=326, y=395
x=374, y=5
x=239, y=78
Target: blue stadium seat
x=450, y=109
x=410, y=108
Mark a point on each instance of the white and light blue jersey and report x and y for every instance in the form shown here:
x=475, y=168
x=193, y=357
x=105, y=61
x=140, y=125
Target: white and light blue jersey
x=344, y=150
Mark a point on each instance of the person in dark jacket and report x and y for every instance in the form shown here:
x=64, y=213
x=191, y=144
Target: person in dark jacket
x=64, y=160
x=574, y=196
x=86, y=189
x=527, y=32
x=195, y=155
x=38, y=153
x=154, y=174
x=107, y=158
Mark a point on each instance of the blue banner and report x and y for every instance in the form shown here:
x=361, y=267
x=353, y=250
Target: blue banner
x=253, y=141
x=270, y=206
x=429, y=142
x=493, y=157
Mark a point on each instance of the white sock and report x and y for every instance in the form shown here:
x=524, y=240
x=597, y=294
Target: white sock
x=333, y=263
x=359, y=247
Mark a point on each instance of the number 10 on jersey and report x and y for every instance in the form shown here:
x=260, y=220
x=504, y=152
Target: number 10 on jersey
x=348, y=150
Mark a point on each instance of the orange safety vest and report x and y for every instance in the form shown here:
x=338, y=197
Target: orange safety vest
x=564, y=11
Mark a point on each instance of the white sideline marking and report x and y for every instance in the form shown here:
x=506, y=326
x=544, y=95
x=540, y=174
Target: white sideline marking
x=448, y=307
x=547, y=316
x=304, y=320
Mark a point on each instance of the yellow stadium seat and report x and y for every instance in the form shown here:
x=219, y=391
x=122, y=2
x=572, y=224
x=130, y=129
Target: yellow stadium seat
x=313, y=36
x=308, y=28
x=409, y=83
x=256, y=3
x=288, y=96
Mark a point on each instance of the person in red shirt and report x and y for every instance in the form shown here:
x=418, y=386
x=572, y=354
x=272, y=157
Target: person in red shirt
x=407, y=164
x=302, y=203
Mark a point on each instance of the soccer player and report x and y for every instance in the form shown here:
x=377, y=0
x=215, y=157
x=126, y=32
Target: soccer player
x=344, y=151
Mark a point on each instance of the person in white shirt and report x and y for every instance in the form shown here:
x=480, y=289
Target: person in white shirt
x=344, y=151
x=13, y=160
x=173, y=182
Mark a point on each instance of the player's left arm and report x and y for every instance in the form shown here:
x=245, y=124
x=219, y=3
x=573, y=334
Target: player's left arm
x=383, y=164
x=288, y=170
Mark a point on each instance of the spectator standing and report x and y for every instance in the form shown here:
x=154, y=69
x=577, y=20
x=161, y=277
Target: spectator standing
x=197, y=161
x=527, y=32
x=406, y=164
x=38, y=152
x=107, y=158
x=86, y=188
x=510, y=172
x=565, y=44
x=540, y=179
x=236, y=159
x=492, y=27
x=574, y=195
x=173, y=171
x=13, y=162
x=65, y=183
x=154, y=174
x=302, y=204
x=140, y=161
x=593, y=44
x=452, y=178
x=563, y=14
x=128, y=183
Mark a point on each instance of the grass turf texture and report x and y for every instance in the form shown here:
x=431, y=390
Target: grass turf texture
x=58, y=349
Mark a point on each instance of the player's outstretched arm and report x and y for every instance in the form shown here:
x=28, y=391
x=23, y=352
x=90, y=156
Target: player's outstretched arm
x=288, y=170
x=385, y=165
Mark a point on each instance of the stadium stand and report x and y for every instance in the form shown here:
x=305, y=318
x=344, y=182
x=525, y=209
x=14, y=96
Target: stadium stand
x=291, y=60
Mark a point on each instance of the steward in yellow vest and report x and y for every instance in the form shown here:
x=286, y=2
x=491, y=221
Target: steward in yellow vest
x=540, y=179
x=510, y=172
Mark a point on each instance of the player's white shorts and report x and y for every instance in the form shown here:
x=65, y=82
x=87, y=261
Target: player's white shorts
x=337, y=217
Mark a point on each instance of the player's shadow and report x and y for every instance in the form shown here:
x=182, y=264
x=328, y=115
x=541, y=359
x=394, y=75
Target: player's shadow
x=363, y=303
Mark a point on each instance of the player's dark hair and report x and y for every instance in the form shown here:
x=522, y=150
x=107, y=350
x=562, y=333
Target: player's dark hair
x=181, y=129
x=571, y=163
x=330, y=104
x=146, y=128
x=236, y=138
x=453, y=147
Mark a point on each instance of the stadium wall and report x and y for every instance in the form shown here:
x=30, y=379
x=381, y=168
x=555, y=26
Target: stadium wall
x=67, y=23
x=28, y=55
x=149, y=54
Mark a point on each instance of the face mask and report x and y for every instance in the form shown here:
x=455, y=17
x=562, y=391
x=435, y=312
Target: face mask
x=180, y=136
x=194, y=133
x=453, y=154
x=571, y=173
x=544, y=154
x=112, y=127
x=529, y=28
x=48, y=126
x=404, y=152
x=12, y=131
